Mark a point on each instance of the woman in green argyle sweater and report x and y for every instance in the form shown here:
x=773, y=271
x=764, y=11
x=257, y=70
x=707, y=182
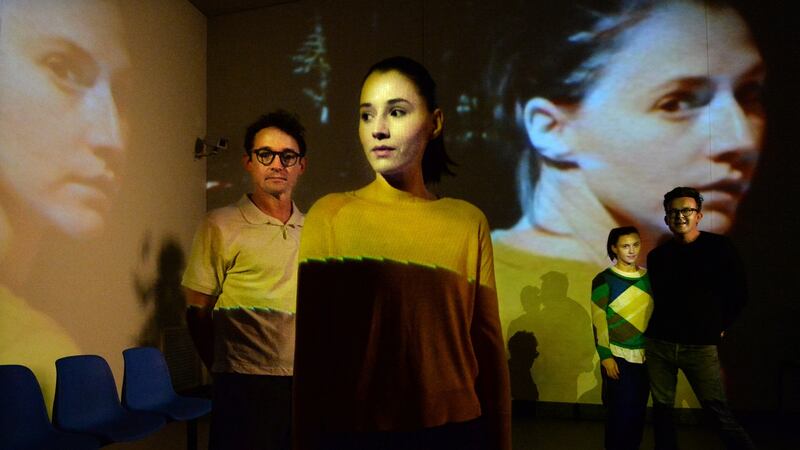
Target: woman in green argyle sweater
x=621, y=308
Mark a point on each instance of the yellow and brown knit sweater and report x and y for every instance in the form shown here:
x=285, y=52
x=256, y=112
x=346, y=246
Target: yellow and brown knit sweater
x=397, y=318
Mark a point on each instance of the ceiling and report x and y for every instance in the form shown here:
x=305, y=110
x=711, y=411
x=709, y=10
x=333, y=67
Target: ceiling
x=212, y=8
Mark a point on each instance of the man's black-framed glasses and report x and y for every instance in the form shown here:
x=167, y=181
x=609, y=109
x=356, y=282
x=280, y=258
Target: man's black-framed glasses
x=265, y=156
x=685, y=212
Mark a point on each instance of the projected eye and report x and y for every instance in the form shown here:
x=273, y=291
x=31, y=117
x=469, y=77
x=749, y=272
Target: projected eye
x=365, y=116
x=751, y=96
x=70, y=73
x=681, y=103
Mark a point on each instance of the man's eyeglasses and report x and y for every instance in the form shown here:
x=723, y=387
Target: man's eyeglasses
x=266, y=156
x=685, y=212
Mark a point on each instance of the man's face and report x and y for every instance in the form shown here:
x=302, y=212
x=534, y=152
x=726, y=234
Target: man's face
x=63, y=66
x=677, y=104
x=682, y=216
x=274, y=179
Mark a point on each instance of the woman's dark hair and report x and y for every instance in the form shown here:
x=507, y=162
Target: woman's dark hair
x=435, y=161
x=282, y=120
x=613, y=238
x=556, y=50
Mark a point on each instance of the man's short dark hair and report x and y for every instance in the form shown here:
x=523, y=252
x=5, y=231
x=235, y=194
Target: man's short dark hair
x=682, y=191
x=613, y=238
x=282, y=120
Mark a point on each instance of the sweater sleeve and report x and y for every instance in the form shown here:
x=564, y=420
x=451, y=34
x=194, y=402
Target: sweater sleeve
x=492, y=384
x=600, y=294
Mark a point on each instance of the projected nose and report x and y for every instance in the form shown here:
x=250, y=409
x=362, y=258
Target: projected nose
x=733, y=135
x=104, y=119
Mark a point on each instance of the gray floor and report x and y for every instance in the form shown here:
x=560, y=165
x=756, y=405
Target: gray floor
x=544, y=434
x=563, y=434
x=171, y=437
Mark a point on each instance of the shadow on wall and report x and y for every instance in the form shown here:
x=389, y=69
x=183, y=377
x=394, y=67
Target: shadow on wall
x=522, y=350
x=562, y=330
x=160, y=295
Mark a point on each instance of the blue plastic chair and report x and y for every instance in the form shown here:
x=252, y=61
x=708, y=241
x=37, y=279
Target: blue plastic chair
x=24, y=424
x=87, y=402
x=147, y=386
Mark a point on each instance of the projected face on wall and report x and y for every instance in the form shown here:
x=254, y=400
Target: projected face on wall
x=656, y=95
x=673, y=98
x=63, y=68
x=679, y=96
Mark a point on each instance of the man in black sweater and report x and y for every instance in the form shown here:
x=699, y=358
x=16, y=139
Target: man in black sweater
x=699, y=288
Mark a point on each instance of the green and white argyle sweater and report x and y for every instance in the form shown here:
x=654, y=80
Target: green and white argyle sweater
x=621, y=307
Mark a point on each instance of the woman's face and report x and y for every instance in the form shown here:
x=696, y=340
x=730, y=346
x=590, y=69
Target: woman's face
x=627, y=249
x=678, y=104
x=62, y=132
x=395, y=124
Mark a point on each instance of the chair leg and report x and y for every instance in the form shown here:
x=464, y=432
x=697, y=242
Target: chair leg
x=191, y=434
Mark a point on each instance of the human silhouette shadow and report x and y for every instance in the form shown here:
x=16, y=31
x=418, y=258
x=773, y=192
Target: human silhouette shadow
x=163, y=296
x=531, y=301
x=522, y=348
x=564, y=333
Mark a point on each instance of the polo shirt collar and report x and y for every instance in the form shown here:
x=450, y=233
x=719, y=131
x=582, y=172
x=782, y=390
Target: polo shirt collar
x=253, y=215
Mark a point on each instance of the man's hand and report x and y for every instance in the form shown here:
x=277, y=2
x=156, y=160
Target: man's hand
x=611, y=368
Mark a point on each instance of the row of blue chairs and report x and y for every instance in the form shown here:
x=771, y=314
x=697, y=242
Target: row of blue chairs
x=87, y=412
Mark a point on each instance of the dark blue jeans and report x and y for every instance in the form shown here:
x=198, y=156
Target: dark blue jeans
x=700, y=364
x=626, y=404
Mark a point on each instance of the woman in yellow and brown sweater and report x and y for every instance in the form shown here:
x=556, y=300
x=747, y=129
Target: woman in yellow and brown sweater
x=398, y=335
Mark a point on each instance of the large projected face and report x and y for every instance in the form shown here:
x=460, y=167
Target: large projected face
x=621, y=104
x=62, y=135
x=680, y=99
x=659, y=95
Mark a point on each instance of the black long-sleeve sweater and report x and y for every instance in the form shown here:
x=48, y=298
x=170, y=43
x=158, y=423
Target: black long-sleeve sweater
x=699, y=288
